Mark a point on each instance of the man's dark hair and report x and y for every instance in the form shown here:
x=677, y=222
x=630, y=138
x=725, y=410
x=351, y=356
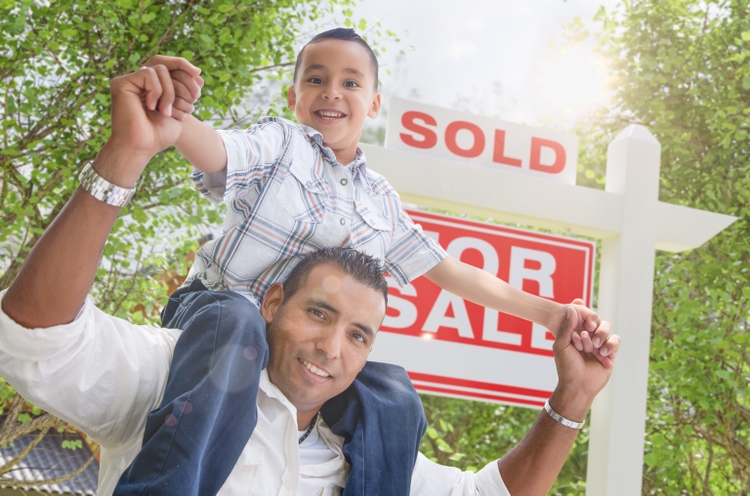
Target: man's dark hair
x=361, y=266
x=344, y=34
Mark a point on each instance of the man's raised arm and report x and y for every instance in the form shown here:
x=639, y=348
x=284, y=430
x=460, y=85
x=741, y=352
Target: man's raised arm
x=533, y=465
x=58, y=272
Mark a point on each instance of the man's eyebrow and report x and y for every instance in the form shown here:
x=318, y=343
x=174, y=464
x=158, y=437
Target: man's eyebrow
x=367, y=330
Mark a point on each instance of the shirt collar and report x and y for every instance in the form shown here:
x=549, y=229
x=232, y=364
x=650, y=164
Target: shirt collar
x=358, y=166
x=270, y=390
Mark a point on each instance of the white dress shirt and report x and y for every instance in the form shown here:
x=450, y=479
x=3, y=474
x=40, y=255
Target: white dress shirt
x=103, y=375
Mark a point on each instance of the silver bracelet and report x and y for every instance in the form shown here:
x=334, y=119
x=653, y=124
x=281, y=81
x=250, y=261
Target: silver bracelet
x=559, y=418
x=103, y=190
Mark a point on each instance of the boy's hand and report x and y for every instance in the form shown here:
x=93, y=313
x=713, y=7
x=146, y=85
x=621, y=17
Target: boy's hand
x=185, y=85
x=589, y=334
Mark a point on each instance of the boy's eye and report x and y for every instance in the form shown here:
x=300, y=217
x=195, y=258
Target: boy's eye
x=351, y=84
x=315, y=80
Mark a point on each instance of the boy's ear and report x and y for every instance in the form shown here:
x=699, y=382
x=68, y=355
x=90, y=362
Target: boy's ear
x=272, y=301
x=375, y=109
x=291, y=98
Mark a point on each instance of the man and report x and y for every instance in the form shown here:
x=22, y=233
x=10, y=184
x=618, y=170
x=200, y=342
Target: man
x=105, y=375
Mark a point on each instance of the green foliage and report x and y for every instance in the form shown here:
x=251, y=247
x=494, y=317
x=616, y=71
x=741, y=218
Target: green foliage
x=680, y=67
x=56, y=59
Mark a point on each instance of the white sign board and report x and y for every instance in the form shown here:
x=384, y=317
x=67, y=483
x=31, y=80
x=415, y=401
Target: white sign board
x=453, y=347
x=481, y=141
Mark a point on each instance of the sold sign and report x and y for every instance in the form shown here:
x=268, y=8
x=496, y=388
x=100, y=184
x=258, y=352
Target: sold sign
x=454, y=347
x=481, y=141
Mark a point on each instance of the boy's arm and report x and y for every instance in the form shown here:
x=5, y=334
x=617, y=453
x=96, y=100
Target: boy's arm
x=202, y=146
x=484, y=289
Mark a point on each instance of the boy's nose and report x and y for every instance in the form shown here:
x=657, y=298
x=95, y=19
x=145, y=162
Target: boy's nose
x=331, y=93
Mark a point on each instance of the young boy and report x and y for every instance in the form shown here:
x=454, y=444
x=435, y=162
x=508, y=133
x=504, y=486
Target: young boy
x=293, y=189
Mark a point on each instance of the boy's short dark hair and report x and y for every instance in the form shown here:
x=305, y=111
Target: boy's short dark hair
x=360, y=266
x=344, y=34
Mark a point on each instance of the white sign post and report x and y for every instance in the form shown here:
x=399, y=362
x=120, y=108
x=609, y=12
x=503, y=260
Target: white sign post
x=631, y=222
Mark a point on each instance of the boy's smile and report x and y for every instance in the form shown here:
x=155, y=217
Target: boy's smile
x=334, y=93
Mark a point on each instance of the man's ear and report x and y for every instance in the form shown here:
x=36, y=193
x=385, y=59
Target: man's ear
x=375, y=109
x=291, y=98
x=272, y=301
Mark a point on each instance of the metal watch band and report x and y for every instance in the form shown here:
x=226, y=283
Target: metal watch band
x=103, y=190
x=559, y=418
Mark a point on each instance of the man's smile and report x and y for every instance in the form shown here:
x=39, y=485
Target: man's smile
x=315, y=370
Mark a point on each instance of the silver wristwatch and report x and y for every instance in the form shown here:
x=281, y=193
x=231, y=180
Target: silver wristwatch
x=103, y=190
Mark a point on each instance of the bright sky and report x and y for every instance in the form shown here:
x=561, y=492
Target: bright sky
x=491, y=57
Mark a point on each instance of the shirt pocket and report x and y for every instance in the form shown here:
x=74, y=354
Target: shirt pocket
x=369, y=211
x=302, y=195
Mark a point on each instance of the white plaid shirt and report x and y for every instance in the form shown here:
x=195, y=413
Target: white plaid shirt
x=288, y=196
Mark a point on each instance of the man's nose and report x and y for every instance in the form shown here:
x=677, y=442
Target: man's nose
x=329, y=342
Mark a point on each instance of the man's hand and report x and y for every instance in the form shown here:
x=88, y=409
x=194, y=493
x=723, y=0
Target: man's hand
x=148, y=107
x=587, y=330
x=582, y=368
x=532, y=466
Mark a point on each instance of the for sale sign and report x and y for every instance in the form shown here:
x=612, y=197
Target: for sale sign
x=453, y=347
x=481, y=141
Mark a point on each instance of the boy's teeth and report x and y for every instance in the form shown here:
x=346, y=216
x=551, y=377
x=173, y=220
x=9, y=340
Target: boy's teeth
x=315, y=370
x=331, y=115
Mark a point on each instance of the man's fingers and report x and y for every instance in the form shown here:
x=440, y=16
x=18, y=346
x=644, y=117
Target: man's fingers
x=575, y=338
x=165, y=103
x=148, y=81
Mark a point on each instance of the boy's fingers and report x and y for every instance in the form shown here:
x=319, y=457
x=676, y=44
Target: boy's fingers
x=183, y=99
x=187, y=86
x=602, y=333
x=174, y=64
x=179, y=114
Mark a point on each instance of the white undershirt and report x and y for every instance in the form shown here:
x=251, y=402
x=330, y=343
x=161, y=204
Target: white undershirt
x=317, y=460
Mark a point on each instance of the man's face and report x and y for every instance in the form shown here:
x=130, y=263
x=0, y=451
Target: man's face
x=334, y=92
x=320, y=338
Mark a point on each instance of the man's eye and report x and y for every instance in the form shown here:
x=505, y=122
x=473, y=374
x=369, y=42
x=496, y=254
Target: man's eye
x=317, y=313
x=351, y=84
x=359, y=337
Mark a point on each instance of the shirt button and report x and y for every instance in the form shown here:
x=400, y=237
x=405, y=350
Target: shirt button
x=342, y=222
x=289, y=484
x=309, y=183
x=344, y=182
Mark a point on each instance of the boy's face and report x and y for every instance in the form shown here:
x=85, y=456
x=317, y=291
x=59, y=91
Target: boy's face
x=334, y=93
